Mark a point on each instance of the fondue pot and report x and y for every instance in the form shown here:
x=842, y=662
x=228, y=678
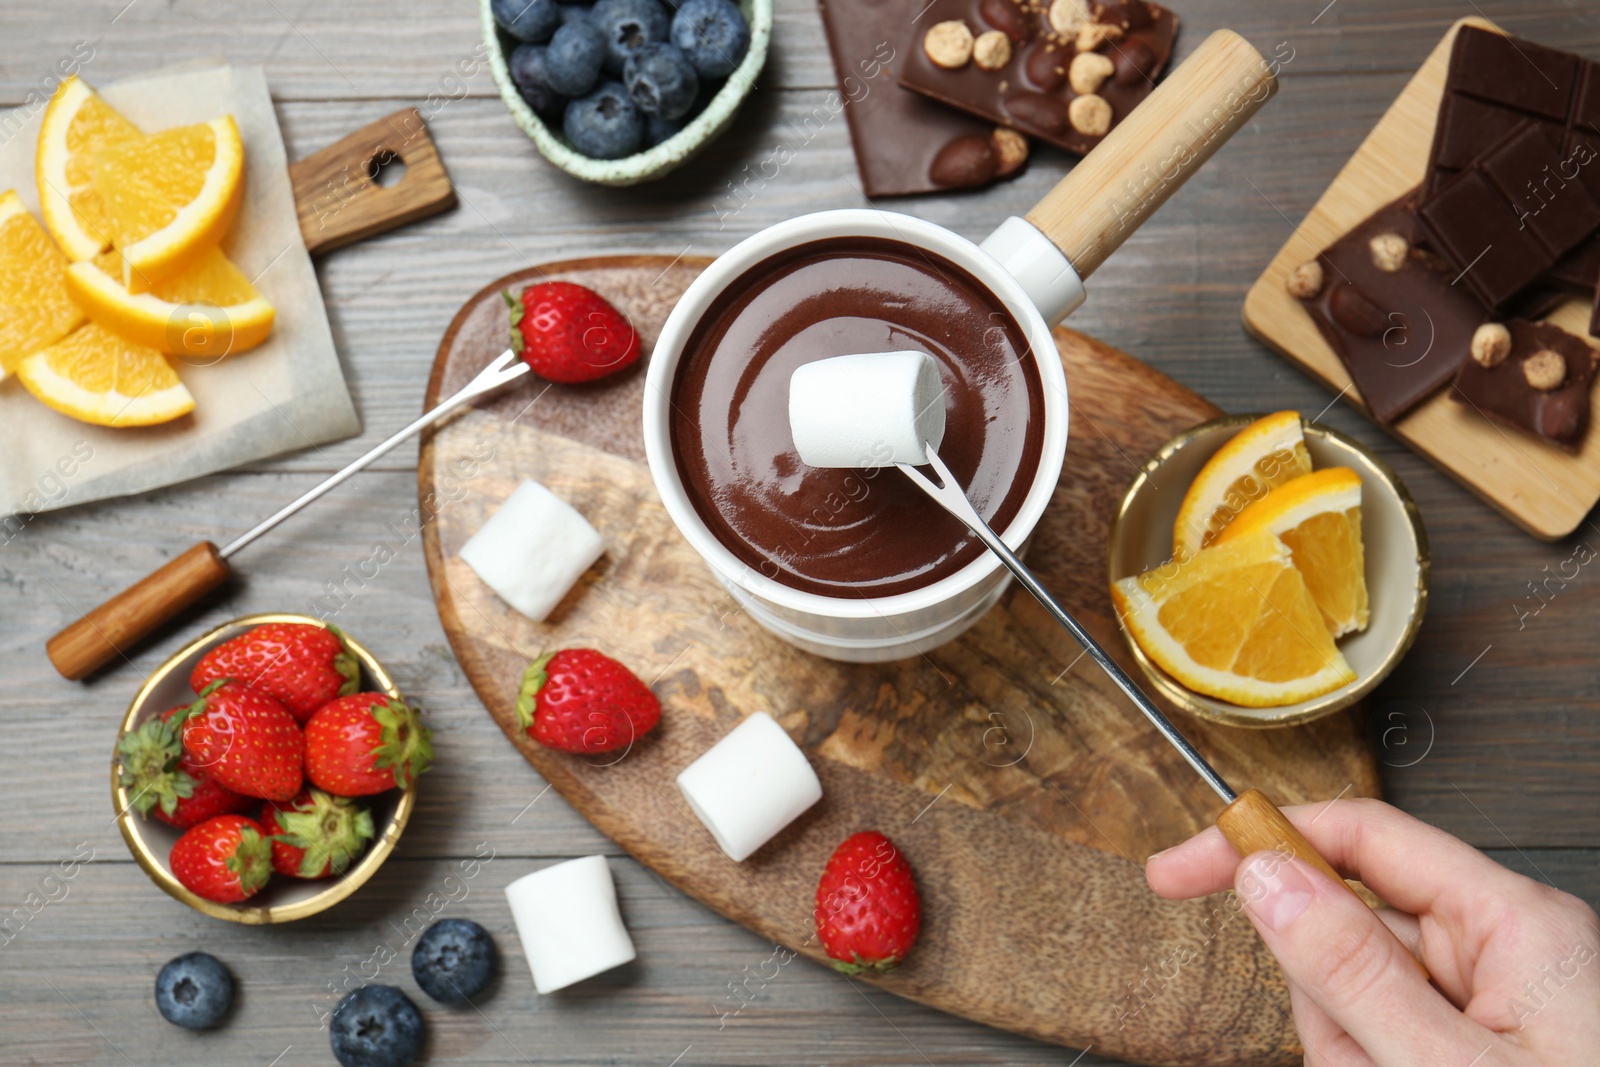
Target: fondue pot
x=1035, y=267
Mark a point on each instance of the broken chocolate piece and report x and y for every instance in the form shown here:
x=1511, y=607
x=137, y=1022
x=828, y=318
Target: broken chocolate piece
x=1497, y=82
x=1400, y=334
x=1509, y=217
x=1031, y=91
x=897, y=135
x=1506, y=392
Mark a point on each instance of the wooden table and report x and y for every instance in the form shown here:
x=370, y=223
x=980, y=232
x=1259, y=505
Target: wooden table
x=1488, y=729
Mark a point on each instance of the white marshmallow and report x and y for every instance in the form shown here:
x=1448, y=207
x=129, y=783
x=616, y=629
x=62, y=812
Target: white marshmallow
x=533, y=550
x=749, y=785
x=866, y=410
x=568, y=921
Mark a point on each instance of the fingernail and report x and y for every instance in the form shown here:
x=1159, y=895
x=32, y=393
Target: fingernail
x=1275, y=890
x=1155, y=855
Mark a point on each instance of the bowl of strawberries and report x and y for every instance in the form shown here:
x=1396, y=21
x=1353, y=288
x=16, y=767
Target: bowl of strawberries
x=266, y=770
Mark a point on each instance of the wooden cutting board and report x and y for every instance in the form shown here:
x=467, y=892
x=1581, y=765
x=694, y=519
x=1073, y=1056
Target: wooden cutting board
x=1537, y=486
x=1024, y=789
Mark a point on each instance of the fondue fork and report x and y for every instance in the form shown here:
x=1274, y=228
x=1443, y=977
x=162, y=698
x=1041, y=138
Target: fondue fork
x=98, y=637
x=1250, y=821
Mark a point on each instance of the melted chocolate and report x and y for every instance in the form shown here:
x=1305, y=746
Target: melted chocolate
x=852, y=532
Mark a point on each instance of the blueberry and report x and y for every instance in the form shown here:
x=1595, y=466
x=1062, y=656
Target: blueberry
x=658, y=129
x=453, y=960
x=575, y=13
x=713, y=34
x=529, y=21
x=194, y=991
x=530, y=70
x=629, y=25
x=606, y=124
x=375, y=1026
x=661, y=81
x=576, y=52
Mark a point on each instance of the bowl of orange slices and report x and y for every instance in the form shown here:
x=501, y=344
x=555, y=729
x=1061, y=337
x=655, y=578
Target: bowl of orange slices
x=1267, y=571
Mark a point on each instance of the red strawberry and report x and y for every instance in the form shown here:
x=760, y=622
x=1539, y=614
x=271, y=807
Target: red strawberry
x=868, y=912
x=299, y=665
x=366, y=743
x=226, y=859
x=166, y=782
x=315, y=834
x=567, y=333
x=577, y=700
x=245, y=740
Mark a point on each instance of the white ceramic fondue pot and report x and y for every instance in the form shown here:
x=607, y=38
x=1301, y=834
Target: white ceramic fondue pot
x=1035, y=267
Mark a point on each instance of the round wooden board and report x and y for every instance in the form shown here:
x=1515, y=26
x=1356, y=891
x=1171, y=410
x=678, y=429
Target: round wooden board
x=1024, y=789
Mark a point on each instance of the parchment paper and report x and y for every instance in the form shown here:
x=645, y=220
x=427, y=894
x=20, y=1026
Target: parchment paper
x=287, y=394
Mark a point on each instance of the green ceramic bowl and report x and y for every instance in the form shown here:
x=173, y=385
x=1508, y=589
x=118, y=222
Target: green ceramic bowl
x=651, y=163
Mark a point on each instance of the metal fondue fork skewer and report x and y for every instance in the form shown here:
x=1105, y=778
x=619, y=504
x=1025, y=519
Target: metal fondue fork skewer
x=1251, y=822
x=951, y=497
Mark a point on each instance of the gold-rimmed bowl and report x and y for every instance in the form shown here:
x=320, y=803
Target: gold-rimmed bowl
x=284, y=899
x=1397, y=568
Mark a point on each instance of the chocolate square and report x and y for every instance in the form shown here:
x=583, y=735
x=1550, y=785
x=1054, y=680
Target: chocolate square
x=1401, y=334
x=1031, y=91
x=1560, y=415
x=1510, y=216
x=897, y=135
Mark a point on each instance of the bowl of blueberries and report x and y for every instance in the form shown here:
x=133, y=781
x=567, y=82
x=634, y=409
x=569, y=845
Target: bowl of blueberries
x=618, y=92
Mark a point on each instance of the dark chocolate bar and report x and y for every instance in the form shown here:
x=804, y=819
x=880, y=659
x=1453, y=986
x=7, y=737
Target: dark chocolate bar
x=1028, y=82
x=904, y=143
x=1498, y=384
x=1508, y=217
x=1496, y=82
x=1400, y=328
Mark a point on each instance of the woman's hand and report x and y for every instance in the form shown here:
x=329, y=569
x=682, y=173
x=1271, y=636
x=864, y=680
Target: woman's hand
x=1515, y=964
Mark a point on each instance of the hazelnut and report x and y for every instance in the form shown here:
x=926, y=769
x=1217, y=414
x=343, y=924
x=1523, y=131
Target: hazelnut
x=1089, y=71
x=992, y=50
x=1545, y=370
x=1092, y=35
x=1305, y=281
x=1090, y=114
x=949, y=44
x=1067, y=15
x=1491, y=344
x=1010, y=150
x=1388, y=251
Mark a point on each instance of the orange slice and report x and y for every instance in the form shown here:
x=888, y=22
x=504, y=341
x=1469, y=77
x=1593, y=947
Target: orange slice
x=1319, y=517
x=207, y=311
x=169, y=197
x=35, y=309
x=95, y=376
x=1265, y=454
x=77, y=125
x=1235, y=622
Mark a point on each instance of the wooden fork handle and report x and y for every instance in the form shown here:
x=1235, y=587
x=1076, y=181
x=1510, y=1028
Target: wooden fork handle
x=103, y=634
x=1253, y=823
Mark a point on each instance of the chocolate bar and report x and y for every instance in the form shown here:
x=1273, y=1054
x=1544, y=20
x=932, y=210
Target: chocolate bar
x=1531, y=375
x=1065, y=71
x=1495, y=83
x=1387, y=309
x=905, y=143
x=1508, y=217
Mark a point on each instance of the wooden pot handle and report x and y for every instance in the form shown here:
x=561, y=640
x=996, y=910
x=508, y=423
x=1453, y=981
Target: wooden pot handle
x=100, y=637
x=1253, y=823
x=1155, y=149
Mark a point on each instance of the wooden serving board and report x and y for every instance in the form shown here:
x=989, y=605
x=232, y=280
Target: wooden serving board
x=1024, y=789
x=1539, y=487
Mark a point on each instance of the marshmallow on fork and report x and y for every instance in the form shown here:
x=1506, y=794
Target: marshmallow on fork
x=568, y=921
x=749, y=785
x=533, y=550
x=867, y=410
